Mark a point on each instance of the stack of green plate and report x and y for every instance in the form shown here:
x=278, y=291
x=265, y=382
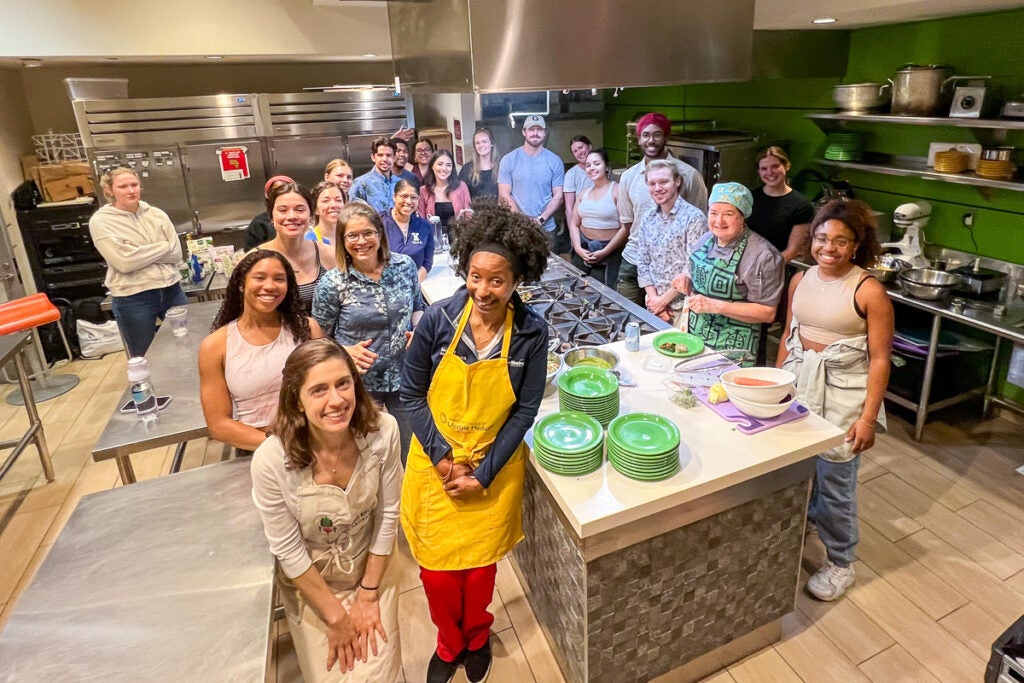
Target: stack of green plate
x=568, y=443
x=847, y=146
x=643, y=446
x=589, y=390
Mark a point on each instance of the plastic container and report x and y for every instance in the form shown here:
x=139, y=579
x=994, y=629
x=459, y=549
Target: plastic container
x=142, y=389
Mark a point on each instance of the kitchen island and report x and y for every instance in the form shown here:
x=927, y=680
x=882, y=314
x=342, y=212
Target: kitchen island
x=631, y=580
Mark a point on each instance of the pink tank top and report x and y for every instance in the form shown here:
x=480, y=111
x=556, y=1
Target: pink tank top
x=253, y=375
x=825, y=310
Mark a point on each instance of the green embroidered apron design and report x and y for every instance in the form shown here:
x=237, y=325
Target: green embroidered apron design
x=716, y=279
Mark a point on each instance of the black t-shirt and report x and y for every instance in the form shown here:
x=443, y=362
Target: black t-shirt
x=488, y=185
x=774, y=217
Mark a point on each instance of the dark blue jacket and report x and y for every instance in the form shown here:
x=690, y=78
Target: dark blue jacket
x=418, y=245
x=527, y=365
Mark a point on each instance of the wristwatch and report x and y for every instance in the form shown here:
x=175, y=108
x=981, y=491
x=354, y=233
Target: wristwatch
x=541, y=218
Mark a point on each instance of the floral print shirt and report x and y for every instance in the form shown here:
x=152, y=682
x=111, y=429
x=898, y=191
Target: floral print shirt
x=352, y=307
x=660, y=245
x=375, y=189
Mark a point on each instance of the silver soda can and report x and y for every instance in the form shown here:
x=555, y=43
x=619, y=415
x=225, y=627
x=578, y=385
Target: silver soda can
x=633, y=336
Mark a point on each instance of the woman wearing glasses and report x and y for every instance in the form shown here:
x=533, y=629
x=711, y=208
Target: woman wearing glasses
x=369, y=303
x=840, y=330
x=408, y=233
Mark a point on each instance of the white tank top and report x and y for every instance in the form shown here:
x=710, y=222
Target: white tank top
x=598, y=214
x=826, y=310
x=253, y=375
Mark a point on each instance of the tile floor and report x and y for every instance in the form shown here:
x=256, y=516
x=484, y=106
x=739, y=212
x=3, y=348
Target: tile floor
x=940, y=563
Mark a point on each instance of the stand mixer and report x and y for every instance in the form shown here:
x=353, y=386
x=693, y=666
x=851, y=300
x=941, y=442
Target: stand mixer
x=912, y=218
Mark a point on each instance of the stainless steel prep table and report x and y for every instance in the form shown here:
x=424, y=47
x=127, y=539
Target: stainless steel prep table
x=167, y=580
x=1009, y=326
x=173, y=365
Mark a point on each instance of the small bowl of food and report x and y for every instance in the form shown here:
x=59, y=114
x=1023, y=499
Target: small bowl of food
x=591, y=357
x=763, y=411
x=555, y=366
x=887, y=268
x=759, y=385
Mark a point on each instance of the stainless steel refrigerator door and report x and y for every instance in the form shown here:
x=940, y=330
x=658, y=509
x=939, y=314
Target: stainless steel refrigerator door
x=220, y=204
x=359, y=153
x=160, y=172
x=304, y=159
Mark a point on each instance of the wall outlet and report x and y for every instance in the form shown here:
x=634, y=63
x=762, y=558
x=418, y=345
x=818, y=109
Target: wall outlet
x=968, y=220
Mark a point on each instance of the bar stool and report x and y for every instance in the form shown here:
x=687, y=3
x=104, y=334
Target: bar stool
x=17, y=320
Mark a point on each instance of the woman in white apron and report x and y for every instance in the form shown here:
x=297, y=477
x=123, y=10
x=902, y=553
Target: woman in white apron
x=327, y=485
x=473, y=381
x=840, y=323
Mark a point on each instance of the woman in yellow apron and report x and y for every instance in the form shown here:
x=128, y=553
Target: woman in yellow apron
x=327, y=485
x=473, y=381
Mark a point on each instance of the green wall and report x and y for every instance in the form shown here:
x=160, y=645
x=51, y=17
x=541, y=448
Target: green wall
x=982, y=44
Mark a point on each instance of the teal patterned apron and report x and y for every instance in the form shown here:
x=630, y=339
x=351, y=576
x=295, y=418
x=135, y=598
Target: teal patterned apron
x=716, y=279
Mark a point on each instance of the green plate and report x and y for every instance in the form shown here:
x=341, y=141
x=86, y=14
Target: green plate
x=585, y=382
x=694, y=344
x=644, y=433
x=641, y=460
x=667, y=466
x=568, y=432
x=562, y=458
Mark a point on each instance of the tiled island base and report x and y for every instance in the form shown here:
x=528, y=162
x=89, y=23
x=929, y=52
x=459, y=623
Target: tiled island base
x=709, y=587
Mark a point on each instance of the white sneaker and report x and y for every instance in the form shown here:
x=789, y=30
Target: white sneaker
x=831, y=581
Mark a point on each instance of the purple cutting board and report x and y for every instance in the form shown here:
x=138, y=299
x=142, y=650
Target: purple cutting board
x=745, y=423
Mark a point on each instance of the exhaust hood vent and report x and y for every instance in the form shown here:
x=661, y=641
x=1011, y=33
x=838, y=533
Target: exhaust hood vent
x=523, y=45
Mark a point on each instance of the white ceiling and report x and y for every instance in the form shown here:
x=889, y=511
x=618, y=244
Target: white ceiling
x=797, y=14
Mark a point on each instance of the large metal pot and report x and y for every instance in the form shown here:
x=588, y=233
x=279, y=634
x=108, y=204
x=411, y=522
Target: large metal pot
x=860, y=97
x=928, y=283
x=918, y=90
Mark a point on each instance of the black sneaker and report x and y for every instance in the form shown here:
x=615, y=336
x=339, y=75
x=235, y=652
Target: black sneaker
x=478, y=663
x=440, y=671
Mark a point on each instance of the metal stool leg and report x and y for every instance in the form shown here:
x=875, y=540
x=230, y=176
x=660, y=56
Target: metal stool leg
x=35, y=429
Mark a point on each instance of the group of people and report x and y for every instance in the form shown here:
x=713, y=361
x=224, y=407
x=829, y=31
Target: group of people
x=364, y=409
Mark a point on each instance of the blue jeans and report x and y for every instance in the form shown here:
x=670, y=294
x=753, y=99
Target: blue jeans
x=138, y=314
x=833, y=508
x=394, y=406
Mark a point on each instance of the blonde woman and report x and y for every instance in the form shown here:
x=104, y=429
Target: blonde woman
x=479, y=173
x=142, y=251
x=339, y=172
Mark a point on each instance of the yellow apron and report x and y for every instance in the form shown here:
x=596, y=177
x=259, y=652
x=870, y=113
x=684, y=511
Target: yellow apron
x=469, y=404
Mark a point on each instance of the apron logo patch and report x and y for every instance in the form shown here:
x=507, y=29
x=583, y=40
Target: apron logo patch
x=326, y=525
x=462, y=426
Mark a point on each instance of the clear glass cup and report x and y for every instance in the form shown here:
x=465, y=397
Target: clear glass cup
x=177, y=317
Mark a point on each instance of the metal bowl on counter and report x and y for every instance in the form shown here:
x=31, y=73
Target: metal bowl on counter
x=888, y=267
x=555, y=365
x=591, y=356
x=928, y=283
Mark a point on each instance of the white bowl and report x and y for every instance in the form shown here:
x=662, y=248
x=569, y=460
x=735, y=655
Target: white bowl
x=783, y=383
x=761, y=410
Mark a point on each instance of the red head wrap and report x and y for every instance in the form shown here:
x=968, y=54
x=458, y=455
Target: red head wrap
x=658, y=119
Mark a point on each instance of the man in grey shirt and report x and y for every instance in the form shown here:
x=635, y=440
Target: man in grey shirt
x=634, y=199
x=530, y=178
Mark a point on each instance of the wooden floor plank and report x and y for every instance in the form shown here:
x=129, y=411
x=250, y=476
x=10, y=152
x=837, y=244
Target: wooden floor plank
x=767, y=666
x=869, y=467
x=847, y=626
x=890, y=521
x=814, y=657
x=1005, y=525
x=896, y=664
x=952, y=493
x=975, y=628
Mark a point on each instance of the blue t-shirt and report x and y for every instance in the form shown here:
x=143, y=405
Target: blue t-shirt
x=533, y=180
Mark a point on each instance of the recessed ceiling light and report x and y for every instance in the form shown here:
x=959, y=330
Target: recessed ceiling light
x=823, y=20
x=214, y=57
x=31, y=63
x=369, y=55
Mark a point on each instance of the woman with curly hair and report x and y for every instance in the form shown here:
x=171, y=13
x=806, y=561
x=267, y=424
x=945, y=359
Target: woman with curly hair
x=240, y=361
x=472, y=383
x=327, y=487
x=840, y=324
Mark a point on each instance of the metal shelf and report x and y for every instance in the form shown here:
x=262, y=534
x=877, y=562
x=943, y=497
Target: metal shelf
x=914, y=169
x=991, y=124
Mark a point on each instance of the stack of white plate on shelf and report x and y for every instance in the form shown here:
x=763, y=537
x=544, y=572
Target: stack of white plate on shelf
x=589, y=390
x=643, y=446
x=568, y=443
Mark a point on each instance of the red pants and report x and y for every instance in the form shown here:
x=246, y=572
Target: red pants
x=458, y=603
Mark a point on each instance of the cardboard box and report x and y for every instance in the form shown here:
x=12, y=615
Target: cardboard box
x=62, y=182
x=29, y=163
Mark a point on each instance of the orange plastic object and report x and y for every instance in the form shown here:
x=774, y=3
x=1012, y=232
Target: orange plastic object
x=26, y=313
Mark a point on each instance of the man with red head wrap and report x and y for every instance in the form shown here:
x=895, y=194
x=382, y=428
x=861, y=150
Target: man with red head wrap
x=634, y=200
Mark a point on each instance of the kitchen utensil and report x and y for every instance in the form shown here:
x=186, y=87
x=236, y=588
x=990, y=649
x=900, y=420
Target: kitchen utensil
x=555, y=366
x=951, y=161
x=917, y=89
x=1013, y=110
x=977, y=280
x=968, y=101
x=928, y=283
x=718, y=359
x=745, y=423
x=761, y=411
x=591, y=356
x=782, y=384
x=694, y=344
x=988, y=168
x=997, y=153
x=696, y=379
x=972, y=149
x=861, y=97
x=887, y=267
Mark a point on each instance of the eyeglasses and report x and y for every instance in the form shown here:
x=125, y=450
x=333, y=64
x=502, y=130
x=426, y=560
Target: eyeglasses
x=407, y=197
x=353, y=237
x=837, y=242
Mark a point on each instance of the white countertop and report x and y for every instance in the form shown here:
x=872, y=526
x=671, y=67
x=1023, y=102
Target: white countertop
x=713, y=455
x=441, y=282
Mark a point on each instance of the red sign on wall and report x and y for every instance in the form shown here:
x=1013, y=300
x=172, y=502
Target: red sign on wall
x=459, y=155
x=457, y=125
x=234, y=164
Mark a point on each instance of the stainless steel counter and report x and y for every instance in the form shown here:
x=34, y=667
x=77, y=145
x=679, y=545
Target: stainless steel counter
x=167, y=580
x=174, y=368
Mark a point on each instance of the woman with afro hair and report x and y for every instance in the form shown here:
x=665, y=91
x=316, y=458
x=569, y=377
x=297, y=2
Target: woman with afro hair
x=472, y=382
x=261, y=320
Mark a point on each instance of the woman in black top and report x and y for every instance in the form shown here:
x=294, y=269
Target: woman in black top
x=480, y=174
x=781, y=214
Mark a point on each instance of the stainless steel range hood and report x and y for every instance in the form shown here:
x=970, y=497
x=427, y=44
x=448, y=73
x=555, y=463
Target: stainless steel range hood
x=521, y=45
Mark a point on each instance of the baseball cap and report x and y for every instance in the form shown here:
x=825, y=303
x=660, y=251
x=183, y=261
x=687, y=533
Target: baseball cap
x=534, y=120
